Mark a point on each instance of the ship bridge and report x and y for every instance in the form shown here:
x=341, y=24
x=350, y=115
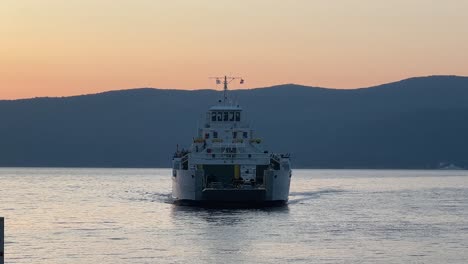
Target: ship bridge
x=226, y=133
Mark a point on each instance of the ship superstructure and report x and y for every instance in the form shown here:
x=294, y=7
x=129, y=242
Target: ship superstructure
x=227, y=162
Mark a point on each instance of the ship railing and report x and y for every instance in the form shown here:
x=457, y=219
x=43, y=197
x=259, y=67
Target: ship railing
x=231, y=155
x=234, y=143
x=275, y=157
x=278, y=157
x=184, y=158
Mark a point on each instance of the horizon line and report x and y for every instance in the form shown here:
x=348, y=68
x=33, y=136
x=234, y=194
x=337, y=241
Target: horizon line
x=220, y=90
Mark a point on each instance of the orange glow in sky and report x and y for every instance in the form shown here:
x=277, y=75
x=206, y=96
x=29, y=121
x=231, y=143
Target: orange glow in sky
x=61, y=48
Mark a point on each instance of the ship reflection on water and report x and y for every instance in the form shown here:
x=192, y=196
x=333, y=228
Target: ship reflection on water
x=224, y=215
x=214, y=234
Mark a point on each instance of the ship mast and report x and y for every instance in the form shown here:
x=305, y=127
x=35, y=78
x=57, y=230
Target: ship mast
x=225, y=89
x=226, y=81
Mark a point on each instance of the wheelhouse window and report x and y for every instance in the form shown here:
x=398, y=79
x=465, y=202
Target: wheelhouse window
x=237, y=116
x=226, y=116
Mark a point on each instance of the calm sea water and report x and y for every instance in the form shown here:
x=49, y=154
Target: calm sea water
x=334, y=216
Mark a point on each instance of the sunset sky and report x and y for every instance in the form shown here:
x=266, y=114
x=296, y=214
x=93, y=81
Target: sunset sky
x=65, y=47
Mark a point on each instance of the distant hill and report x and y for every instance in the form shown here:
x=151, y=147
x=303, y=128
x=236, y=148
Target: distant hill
x=413, y=123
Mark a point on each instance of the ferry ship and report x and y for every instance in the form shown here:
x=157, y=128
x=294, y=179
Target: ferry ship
x=228, y=164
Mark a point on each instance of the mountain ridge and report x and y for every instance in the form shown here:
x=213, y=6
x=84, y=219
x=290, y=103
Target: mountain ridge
x=279, y=86
x=419, y=123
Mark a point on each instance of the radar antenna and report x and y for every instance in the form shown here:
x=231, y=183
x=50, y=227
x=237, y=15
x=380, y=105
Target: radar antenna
x=227, y=80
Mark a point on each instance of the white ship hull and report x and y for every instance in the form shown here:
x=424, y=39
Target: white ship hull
x=189, y=187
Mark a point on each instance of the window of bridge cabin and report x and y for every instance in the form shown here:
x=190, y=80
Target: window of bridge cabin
x=213, y=116
x=226, y=116
x=231, y=116
x=220, y=116
x=237, y=116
